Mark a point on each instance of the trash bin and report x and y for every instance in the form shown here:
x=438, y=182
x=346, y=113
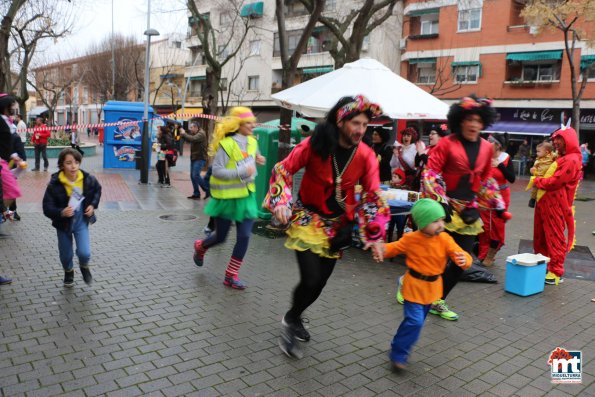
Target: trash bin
x=138, y=158
x=268, y=144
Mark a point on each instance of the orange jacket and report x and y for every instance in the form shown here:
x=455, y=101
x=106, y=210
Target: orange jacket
x=426, y=255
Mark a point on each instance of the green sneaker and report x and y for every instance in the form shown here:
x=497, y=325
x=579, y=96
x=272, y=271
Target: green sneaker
x=399, y=295
x=441, y=309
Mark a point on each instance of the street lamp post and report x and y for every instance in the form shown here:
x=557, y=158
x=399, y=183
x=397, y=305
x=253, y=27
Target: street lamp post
x=144, y=171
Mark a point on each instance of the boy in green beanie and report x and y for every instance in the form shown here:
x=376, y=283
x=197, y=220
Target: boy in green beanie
x=427, y=251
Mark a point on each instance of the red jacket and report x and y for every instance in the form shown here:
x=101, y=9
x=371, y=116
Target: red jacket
x=40, y=135
x=317, y=183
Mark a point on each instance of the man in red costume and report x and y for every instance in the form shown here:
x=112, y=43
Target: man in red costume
x=322, y=217
x=554, y=210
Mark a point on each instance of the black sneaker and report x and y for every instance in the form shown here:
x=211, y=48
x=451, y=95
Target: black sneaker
x=87, y=276
x=532, y=203
x=289, y=344
x=68, y=278
x=300, y=332
x=16, y=216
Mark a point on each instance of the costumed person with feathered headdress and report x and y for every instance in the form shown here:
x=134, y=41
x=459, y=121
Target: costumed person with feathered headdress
x=321, y=219
x=458, y=177
x=554, y=211
x=494, y=227
x=232, y=189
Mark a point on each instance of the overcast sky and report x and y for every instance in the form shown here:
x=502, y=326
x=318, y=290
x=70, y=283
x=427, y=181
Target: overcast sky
x=93, y=22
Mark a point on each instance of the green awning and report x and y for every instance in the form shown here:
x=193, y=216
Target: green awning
x=467, y=63
x=193, y=20
x=586, y=60
x=198, y=78
x=318, y=70
x=413, y=61
x=535, y=56
x=418, y=13
x=252, y=10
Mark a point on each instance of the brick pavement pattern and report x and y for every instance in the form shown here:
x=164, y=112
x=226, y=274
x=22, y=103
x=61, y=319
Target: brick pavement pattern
x=153, y=324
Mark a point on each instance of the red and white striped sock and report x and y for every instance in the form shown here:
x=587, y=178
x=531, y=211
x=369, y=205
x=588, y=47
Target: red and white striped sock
x=233, y=267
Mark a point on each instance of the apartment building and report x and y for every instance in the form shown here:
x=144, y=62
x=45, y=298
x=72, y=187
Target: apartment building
x=453, y=48
x=256, y=71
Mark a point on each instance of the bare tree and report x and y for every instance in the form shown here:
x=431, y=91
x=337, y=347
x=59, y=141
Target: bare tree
x=35, y=23
x=350, y=30
x=129, y=62
x=9, y=9
x=290, y=64
x=575, y=19
x=220, y=44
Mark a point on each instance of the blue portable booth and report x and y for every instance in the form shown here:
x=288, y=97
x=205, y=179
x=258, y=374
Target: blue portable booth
x=121, y=142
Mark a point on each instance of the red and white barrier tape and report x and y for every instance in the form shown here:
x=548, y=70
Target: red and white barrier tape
x=126, y=123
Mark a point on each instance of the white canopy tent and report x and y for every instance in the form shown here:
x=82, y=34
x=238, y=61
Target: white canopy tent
x=399, y=98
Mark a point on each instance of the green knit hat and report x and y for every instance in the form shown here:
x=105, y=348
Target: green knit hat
x=426, y=211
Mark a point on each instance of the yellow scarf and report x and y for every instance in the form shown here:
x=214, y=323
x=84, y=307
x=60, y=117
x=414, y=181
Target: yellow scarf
x=68, y=184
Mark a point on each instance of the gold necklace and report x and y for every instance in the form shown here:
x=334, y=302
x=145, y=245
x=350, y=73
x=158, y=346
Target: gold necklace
x=338, y=196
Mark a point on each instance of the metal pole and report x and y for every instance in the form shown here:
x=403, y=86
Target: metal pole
x=113, y=57
x=144, y=171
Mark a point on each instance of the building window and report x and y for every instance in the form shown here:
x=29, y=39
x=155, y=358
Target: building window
x=466, y=74
x=225, y=19
x=294, y=8
x=426, y=73
x=470, y=20
x=223, y=84
x=222, y=52
x=253, y=83
x=320, y=41
x=591, y=74
x=539, y=72
x=177, y=44
x=254, y=47
x=330, y=5
x=429, y=24
x=197, y=56
x=197, y=87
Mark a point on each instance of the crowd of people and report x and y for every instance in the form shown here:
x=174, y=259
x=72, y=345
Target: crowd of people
x=463, y=178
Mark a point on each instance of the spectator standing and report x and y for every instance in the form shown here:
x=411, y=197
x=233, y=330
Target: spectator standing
x=40, y=137
x=198, y=158
x=21, y=128
x=524, y=153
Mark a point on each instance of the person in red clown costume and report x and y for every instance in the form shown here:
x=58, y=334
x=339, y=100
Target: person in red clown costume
x=458, y=176
x=554, y=211
x=494, y=227
x=321, y=220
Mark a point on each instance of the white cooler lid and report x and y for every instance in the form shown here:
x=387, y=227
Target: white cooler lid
x=527, y=259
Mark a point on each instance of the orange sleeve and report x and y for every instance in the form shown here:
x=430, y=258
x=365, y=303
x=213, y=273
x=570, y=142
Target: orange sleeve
x=452, y=248
x=395, y=248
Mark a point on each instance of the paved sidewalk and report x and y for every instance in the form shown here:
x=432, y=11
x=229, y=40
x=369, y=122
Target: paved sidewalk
x=153, y=324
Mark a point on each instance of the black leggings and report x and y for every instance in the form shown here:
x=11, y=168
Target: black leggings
x=314, y=273
x=451, y=275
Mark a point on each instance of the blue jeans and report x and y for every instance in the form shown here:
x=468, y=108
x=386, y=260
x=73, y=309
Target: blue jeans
x=243, y=230
x=197, y=180
x=80, y=231
x=409, y=331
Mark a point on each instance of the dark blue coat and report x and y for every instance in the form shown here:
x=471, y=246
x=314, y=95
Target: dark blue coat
x=56, y=199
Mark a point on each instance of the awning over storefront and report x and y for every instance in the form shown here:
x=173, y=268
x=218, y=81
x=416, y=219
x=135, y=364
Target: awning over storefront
x=413, y=61
x=534, y=56
x=37, y=110
x=252, y=10
x=318, y=70
x=523, y=128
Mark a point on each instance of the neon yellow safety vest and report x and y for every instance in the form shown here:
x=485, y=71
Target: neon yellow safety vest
x=233, y=188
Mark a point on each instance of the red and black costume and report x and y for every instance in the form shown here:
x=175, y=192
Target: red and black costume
x=494, y=227
x=554, y=211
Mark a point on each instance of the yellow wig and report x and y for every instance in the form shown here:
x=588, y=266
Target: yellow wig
x=230, y=124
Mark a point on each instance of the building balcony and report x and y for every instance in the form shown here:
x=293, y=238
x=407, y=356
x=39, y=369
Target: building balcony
x=530, y=83
x=423, y=36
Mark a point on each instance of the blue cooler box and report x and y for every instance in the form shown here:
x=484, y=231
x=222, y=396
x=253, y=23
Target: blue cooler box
x=525, y=274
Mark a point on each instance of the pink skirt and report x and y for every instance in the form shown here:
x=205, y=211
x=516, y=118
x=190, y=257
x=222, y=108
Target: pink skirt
x=10, y=186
